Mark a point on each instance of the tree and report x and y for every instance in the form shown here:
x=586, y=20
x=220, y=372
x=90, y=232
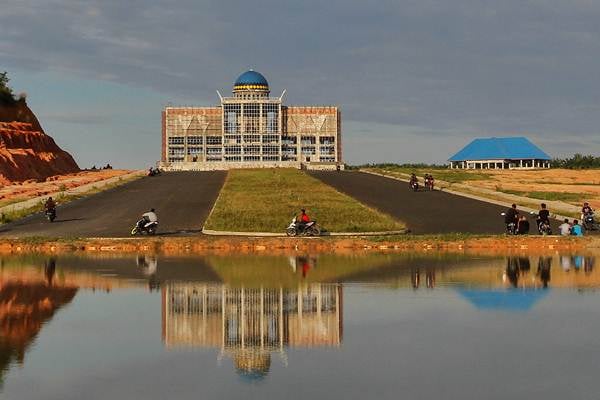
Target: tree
x=6, y=93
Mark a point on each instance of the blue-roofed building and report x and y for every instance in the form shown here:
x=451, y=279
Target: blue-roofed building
x=500, y=153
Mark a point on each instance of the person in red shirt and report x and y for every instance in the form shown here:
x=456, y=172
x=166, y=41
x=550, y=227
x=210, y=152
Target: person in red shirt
x=303, y=219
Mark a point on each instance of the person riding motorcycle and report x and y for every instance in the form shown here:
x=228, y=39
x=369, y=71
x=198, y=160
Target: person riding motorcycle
x=148, y=218
x=49, y=204
x=586, y=210
x=543, y=215
x=302, y=220
x=413, y=180
x=511, y=216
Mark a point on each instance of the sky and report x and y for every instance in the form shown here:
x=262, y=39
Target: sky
x=416, y=80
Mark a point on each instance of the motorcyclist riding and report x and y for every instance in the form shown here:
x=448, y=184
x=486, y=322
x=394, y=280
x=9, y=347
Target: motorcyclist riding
x=413, y=181
x=543, y=217
x=147, y=219
x=49, y=204
x=585, y=210
x=511, y=216
x=302, y=220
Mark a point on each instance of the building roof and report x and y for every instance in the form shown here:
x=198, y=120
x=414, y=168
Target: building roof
x=251, y=80
x=503, y=148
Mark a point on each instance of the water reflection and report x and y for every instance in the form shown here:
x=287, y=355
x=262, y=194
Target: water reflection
x=248, y=324
x=26, y=303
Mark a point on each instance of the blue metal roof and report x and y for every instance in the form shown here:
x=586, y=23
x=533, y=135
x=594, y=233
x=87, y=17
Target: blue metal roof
x=502, y=148
x=251, y=78
x=507, y=300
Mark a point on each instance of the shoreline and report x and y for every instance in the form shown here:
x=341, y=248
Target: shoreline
x=206, y=245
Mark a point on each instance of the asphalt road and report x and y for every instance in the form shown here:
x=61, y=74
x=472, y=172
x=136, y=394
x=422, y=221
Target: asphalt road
x=424, y=212
x=182, y=201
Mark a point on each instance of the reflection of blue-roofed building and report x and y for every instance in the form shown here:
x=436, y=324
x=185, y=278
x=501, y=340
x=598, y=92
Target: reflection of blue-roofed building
x=500, y=153
x=506, y=300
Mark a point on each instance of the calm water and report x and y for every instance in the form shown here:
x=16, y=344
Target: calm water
x=380, y=327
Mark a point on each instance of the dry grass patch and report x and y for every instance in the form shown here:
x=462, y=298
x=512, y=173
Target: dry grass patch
x=265, y=201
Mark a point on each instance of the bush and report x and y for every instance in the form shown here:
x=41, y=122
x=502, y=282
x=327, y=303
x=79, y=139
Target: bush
x=578, y=161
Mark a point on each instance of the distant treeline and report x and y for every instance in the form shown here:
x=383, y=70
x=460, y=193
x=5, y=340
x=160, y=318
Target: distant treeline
x=395, y=165
x=578, y=161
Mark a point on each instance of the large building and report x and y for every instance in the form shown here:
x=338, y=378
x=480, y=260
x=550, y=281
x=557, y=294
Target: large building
x=251, y=130
x=500, y=153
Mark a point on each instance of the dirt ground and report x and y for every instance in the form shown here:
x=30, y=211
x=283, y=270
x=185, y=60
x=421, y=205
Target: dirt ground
x=30, y=189
x=585, y=183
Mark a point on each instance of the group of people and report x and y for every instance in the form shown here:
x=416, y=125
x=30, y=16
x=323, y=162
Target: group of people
x=414, y=181
x=519, y=225
x=107, y=166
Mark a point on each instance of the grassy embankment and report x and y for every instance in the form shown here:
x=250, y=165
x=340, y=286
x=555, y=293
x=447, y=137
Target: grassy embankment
x=62, y=198
x=569, y=188
x=265, y=201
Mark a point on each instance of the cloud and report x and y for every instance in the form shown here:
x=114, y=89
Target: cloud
x=480, y=68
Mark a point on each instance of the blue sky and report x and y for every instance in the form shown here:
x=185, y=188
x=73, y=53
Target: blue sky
x=415, y=79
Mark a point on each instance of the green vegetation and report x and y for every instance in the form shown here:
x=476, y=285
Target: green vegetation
x=578, y=161
x=6, y=93
x=438, y=172
x=557, y=196
x=265, y=201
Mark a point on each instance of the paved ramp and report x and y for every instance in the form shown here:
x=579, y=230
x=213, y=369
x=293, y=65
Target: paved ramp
x=424, y=212
x=182, y=201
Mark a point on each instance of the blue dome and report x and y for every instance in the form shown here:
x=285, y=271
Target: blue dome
x=251, y=80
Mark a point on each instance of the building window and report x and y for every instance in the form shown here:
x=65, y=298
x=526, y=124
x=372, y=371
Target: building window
x=175, y=159
x=252, y=118
x=308, y=140
x=194, y=140
x=233, y=139
x=309, y=150
x=213, y=150
x=212, y=140
x=231, y=118
x=289, y=140
x=176, y=151
x=233, y=150
x=270, y=139
x=251, y=158
x=252, y=138
x=270, y=158
x=176, y=140
x=194, y=150
x=327, y=140
x=233, y=158
x=327, y=159
x=271, y=112
x=270, y=150
x=252, y=150
x=327, y=150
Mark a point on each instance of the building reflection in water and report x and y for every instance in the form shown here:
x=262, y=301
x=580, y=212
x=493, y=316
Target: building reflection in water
x=248, y=324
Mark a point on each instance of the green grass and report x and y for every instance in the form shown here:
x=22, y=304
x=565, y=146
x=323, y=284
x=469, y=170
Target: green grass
x=266, y=200
x=556, y=196
x=448, y=175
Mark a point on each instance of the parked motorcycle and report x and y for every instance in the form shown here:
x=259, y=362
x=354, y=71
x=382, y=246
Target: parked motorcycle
x=589, y=222
x=143, y=226
x=309, y=229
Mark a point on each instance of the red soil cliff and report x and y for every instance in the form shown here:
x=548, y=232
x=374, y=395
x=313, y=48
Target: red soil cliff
x=26, y=152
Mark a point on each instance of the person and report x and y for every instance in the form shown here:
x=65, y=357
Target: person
x=565, y=228
x=511, y=216
x=49, y=204
x=523, y=226
x=150, y=217
x=576, y=229
x=543, y=214
x=302, y=219
x=586, y=209
x=413, y=181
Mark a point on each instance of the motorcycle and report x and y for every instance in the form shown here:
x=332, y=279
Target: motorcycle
x=429, y=184
x=143, y=226
x=511, y=227
x=589, y=222
x=414, y=185
x=543, y=226
x=50, y=214
x=309, y=229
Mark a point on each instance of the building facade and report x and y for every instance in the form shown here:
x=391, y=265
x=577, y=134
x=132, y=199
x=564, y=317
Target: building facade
x=251, y=130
